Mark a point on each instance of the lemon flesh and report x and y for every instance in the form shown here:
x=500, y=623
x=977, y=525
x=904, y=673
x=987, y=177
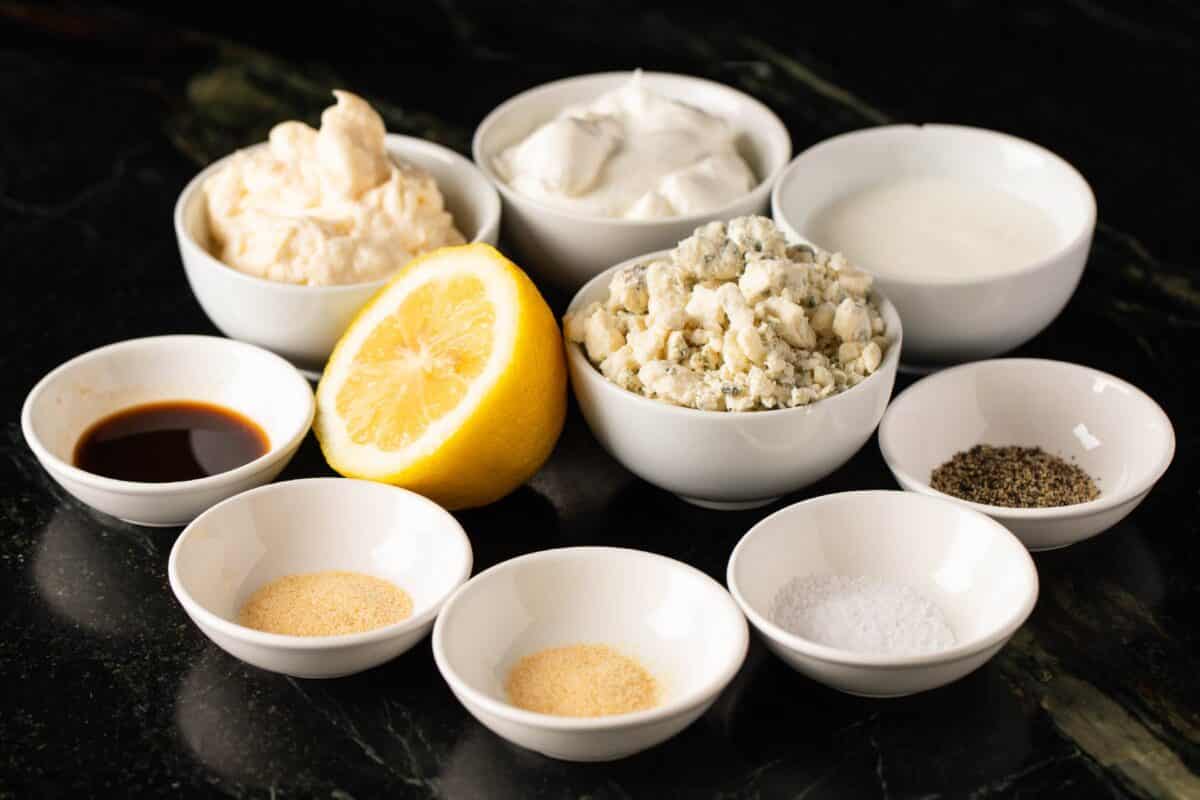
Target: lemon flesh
x=450, y=382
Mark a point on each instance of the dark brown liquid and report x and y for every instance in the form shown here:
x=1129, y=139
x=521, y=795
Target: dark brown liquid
x=172, y=441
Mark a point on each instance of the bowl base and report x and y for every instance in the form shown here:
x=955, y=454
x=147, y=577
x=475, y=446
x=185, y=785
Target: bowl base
x=587, y=759
x=1048, y=547
x=880, y=695
x=155, y=524
x=920, y=369
x=720, y=505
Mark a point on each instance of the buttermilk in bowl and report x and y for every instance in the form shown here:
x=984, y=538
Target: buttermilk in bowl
x=735, y=319
x=325, y=207
x=629, y=154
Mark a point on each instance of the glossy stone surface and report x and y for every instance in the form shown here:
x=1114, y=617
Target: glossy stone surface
x=109, y=690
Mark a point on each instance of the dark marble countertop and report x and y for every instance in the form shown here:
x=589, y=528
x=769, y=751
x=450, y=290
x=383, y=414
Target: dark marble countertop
x=108, y=689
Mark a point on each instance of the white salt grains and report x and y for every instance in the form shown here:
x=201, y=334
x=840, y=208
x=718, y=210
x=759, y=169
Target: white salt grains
x=861, y=614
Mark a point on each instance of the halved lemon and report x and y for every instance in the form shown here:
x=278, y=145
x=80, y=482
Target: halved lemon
x=450, y=382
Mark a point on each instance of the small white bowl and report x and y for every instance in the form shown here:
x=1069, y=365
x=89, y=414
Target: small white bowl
x=972, y=318
x=727, y=459
x=303, y=323
x=209, y=369
x=314, y=525
x=975, y=571
x=681, y=625
x=1111, y=429
x=567, y=248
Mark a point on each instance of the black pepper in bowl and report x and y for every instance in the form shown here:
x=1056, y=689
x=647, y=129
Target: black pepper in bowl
x=1013, y=477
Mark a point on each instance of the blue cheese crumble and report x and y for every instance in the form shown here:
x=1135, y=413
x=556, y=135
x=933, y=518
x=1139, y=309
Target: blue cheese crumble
x=735, y=319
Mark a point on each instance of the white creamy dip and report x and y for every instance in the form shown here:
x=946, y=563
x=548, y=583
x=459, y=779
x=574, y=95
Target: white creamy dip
x=632, y=154
x=325, y=207
x=935, y=228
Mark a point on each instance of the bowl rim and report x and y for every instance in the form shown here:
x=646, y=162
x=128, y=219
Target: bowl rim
x=850, y=658
x=576, y=355
x=1053, y=258
x=300, y=386
x=206, y=618
x=393, y=141
x=1104, y=502
x=771, y=127
x=711, y=688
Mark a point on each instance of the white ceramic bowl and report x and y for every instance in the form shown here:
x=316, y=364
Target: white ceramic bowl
x=566, y=248
x=975, y=571
x=313, y=525
x=244, y=378
x=675, y=620
x=1111, y=429
x=726, y=459
x=303, y=323
x=972, y=318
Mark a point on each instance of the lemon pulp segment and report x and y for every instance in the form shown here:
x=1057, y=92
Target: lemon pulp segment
x=418, y=364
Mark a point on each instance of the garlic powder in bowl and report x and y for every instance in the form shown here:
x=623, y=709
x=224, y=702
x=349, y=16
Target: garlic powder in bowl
x=325, y=207
x=735, y=319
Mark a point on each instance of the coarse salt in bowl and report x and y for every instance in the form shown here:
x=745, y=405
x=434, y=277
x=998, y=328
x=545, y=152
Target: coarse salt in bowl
x=976, y=573
x=315, y=525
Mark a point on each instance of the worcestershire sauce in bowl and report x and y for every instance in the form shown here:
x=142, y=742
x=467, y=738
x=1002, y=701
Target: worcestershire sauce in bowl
x=177, y=440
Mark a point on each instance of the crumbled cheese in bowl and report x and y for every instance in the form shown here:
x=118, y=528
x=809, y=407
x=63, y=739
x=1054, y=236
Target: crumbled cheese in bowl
x=735, y=319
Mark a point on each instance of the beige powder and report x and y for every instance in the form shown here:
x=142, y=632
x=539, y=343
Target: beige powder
x=325, y=604
x=581, y=680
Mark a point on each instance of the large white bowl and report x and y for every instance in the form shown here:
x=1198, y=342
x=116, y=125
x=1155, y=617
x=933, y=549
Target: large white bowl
x=728, y=459
x=1111, y=429
x=675, y=620
x=209, y=369
x=567, y=248
x=303, y=323
x=972, y=318
x=974, y=570
x=314, y=525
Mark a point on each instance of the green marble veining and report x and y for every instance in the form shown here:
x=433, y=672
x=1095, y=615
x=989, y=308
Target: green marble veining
x=236, y=102
x=1100, y=727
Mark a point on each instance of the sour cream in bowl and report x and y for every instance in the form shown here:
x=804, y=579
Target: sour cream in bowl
x=599, y=168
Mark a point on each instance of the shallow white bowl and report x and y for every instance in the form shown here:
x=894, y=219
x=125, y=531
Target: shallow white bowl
x=675, y=620
x=727, y=459
x=303, y=323
x=1111, y=429
x=973, y=318
x=566, y=248
x=247, y=379
x=313, y=525
x=977, y=573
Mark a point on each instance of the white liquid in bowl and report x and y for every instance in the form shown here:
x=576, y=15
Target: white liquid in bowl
x=935, y=229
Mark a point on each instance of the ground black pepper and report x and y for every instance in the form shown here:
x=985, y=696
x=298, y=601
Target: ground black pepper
x=1014, y=477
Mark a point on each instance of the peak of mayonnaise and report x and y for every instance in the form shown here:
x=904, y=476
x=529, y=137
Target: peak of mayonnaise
x=630, y=153
x=327, y=206
x=350, y=147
